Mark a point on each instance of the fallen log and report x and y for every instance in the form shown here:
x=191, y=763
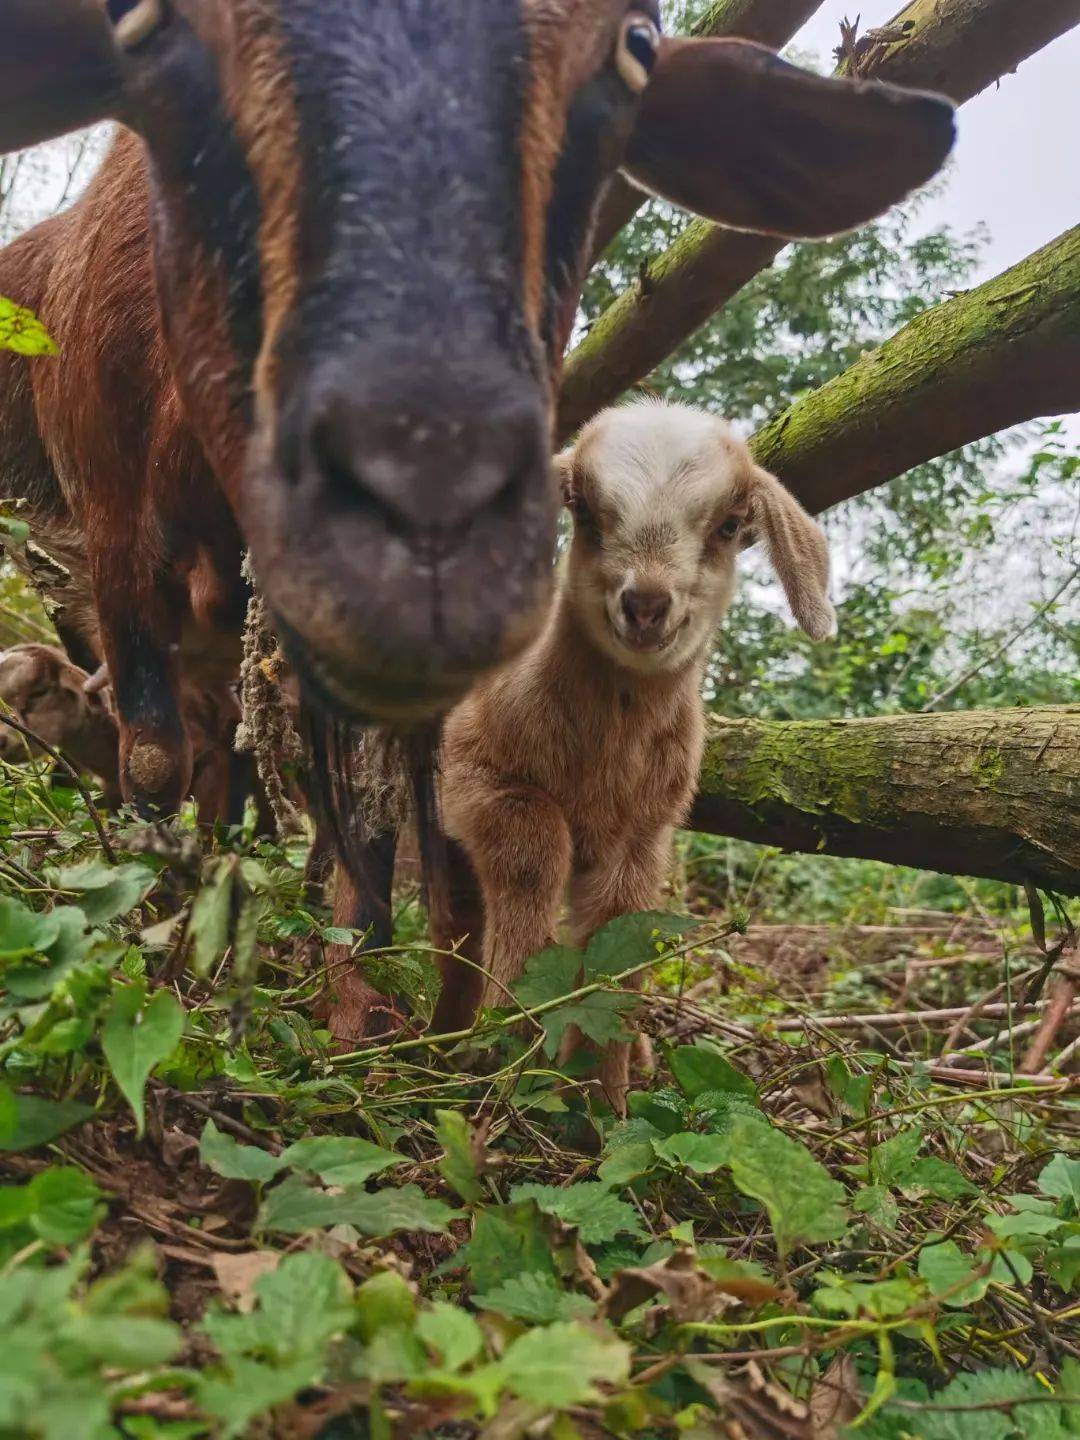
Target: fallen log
x=992, y=793
x=956, y=46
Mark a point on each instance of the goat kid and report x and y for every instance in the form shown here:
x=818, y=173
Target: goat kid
x=565, y=774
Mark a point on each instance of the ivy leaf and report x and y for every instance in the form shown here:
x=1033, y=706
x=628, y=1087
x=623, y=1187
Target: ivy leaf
x=107, y=891
x=135, y=1040
x=802, y=1198
x=30, y=1120
x=702, y=1068
x=664, y=1109
x=227, y=1157
x=590, y=1207
x=949, y=1272
x=1061, y=1179
x=463, y=1155
x=508, y=1240
x=451, y=1332
x=211, y=917
x=22, y=332
x=626, y=1163
x=341, y=1159
x=65, y=1205
x=931, y=1176
x=550, y=975
x=23, y=931
x=295, y=1208
x=630, y=940
x=560, y=1365
x=536, y=1299
x=891, y=1162
x=704, y=1154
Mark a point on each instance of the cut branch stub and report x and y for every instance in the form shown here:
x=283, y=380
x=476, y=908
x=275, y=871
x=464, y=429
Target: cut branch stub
x=993, y=793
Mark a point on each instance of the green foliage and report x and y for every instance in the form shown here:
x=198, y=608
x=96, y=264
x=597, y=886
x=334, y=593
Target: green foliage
x=22, y=332
x=137, y=1036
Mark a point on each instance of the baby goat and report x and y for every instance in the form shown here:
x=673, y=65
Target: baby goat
x=565, y=773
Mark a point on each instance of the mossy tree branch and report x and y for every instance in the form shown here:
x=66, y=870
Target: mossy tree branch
x=993, y=793
x=1006, y=352
x=956, y=46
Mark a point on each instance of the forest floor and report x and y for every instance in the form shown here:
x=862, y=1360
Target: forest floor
x=847, y=1202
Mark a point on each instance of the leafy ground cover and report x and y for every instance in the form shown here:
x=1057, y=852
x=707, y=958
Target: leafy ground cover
x=213, y=1224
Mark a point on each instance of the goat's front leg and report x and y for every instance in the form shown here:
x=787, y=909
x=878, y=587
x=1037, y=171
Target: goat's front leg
x=363, y=901
x=140, y=634
x=598, y=896
x=518, y=843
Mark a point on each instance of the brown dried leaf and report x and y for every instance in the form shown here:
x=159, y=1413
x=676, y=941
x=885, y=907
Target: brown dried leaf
x=238, y=1275
x=690, y=1293
x=836, y=1400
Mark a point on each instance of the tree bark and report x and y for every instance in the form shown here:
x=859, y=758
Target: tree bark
x=956, y=46
x=993, y=793
x=768, y=22
x=1006, y=352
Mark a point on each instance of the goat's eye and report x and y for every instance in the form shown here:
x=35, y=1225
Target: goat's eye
x=134, y=21
x=729, y=528
x=638, y=47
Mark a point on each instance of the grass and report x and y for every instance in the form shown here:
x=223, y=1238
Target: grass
x=213, y=1224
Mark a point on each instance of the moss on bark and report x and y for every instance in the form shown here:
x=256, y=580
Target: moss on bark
x=993, y=792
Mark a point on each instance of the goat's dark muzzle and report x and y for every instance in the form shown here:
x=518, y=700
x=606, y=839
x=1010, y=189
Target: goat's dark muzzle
x=402, y=528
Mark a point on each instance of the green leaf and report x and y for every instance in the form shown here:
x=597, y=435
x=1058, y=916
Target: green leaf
x=507, y=1240
x=701, y=1068
x=451, y=1332
x=626, y=1163
x=383, y=1302
x=932, y=1176
x=227, y=1157
x=548, y=976
x=704, y=1154
x=211, y=917
x=664, y=1109
x=295, y=1208
x=536, y=1299
x=303, y=1303
x=22, y=332
x=126, y=1342
x=251, y=1388
x=34, y=1121
x=590, y=1207
x=24, y=931
x=65, y=1205
x=136, y=1039
x=107, y=891
x=803, y=1200
x=460, y=1165
x=341, y=1159
x=558, y=1366
x=599, y=1017
x=878, y=1204
x=1061, y=1179
x=630, y=940
x=891, y=1162
x=946, y=1268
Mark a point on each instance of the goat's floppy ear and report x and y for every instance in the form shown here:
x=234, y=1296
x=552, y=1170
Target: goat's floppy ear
x=59, y=69
x=729, y=130
x=799, y=553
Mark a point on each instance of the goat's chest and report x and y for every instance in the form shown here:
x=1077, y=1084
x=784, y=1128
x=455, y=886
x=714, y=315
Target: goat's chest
x=634, y=777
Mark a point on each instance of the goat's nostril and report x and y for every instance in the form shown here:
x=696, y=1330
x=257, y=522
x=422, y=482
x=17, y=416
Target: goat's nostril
x=646, y=609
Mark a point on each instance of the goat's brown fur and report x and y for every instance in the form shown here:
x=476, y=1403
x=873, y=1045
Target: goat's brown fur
x=566, y=774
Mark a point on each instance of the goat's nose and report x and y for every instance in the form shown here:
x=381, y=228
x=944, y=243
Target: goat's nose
x=428, y=472
x=646, y=609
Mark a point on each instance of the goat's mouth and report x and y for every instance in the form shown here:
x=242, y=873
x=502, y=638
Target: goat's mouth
x=646, y=643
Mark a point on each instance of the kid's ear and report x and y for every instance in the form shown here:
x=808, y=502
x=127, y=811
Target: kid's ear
x=60, y=69
x=729, y=130
x=564, y=473
x=799, y=553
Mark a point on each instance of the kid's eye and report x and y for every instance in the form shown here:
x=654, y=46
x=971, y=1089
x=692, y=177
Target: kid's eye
x=729, y=528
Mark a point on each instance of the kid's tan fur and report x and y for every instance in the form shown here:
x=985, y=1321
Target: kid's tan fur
x=565, y=774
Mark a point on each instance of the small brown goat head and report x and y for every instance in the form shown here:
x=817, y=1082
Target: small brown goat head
x=663, y=498
x=370, y=225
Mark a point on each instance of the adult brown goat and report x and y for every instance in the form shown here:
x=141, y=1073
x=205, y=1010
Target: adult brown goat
x=315, y=301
